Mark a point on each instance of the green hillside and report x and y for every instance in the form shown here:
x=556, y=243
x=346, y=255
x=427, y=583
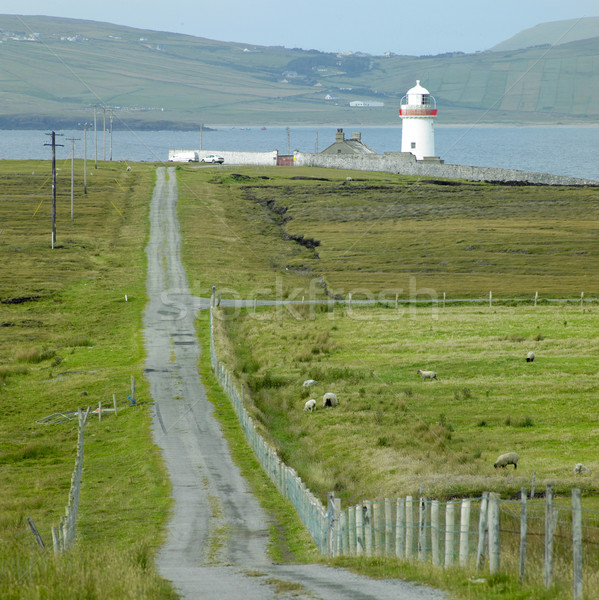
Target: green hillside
x=53, y=71
x=553, y=33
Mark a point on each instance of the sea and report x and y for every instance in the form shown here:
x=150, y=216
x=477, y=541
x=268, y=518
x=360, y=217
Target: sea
x=560, y=150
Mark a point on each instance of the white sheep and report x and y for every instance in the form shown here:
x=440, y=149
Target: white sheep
x=530, y=356
x=511, y=458
x=310, y=405
x=329, y=399
x=580, y=469
x=309, y=382
x=427, y=375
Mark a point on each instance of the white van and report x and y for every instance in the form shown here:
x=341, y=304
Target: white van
x=183, y=156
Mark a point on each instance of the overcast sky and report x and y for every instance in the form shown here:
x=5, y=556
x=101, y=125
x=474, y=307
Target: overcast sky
x=373, y=26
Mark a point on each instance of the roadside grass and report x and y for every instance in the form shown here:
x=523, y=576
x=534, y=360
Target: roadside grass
x=69, y=339
x=289, y=540
x=380, y=234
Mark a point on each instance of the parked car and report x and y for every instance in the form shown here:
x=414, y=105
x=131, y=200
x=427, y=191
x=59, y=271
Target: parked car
x=213, y=158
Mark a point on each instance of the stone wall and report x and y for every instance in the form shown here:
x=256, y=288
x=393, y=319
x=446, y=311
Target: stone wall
x=405, y=163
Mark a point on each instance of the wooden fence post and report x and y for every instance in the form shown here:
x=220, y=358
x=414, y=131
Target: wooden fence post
x=378, y=528
x=409, y=527
x=36, y=533
x=449, y=533
x=114, y=403
x=388, y=528
x=482, y=530
x=400, y=528
x=536, y=297
x=368, y=527
x=577, y=544
x=490, y=299
x=435, y=532
x=523, y=533
x=422, y=529
x=581, y=298
x=349, y=300
x=443, y=300
x=351, y=530
x=493, y=532
x=464, y=529
x=359, y=530
x=550, y=524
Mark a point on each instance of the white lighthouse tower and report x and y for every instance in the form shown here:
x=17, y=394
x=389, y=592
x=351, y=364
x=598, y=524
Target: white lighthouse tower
x=418, y=110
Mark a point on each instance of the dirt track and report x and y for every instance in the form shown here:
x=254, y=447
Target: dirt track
x=218, y=533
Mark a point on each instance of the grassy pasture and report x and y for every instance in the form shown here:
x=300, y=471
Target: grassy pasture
x=69, y=339
x=383, y=234
x=393, y=433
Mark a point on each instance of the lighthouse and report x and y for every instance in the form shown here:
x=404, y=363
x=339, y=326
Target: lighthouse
x=418, y=110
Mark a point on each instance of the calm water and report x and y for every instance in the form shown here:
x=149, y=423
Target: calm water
x=560, y=150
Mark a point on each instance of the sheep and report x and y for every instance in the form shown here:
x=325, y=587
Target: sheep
x=310, y=405
x=530, y=356
x=511, y=458
x=309, y=382
x=329, y=399
x=427, y=375
x=580, y=469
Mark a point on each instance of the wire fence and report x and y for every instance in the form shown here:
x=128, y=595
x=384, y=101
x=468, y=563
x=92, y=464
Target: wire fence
x=541, y=541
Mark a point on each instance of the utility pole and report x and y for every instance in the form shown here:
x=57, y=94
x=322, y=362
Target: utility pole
x=53, y=144
x=104, y=133
x=111, y=111
x=73, y=140
x=85, y=158
x=96, y=136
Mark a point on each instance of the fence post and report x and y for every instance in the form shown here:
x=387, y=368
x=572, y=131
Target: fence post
x=378, y=529
x=523, y=533
x=550, y=524
x=349, y=300
x=435, y=532
x=449, y=533
x=368, y=527
x=331, y=525
x=464, y=532
x=341, y=530
x=114, y=403
x=388, y=528
x=532, y=485
x=536, y=297
x=482, y=530
x=422, y=529
x=359, y=530
x=581, y=298
x=409, y=527
x=577, y=544
x=490, y=299
x=493, y=532
x=443, y=300
x=400, y=528
x=351, y=527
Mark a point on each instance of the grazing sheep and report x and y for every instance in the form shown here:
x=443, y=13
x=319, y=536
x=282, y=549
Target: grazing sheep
x=511, y=458
x=309, y=382
x=329, y=399
x=427, y=375
x=310, y=405
x=530, y=356
x=580, y=469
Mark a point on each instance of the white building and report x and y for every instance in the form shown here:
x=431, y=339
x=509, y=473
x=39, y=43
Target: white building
x=418, y=110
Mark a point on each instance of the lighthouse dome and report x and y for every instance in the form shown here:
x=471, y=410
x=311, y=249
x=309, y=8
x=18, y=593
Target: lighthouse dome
x=417, y=89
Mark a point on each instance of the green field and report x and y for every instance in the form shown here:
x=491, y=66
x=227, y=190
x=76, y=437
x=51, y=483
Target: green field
x=70, y=338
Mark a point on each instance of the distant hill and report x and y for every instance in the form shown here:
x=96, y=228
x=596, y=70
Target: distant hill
x=54, y=70
x=553, y=33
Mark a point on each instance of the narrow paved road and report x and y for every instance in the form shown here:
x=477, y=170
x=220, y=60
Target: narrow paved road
x=218, y=533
